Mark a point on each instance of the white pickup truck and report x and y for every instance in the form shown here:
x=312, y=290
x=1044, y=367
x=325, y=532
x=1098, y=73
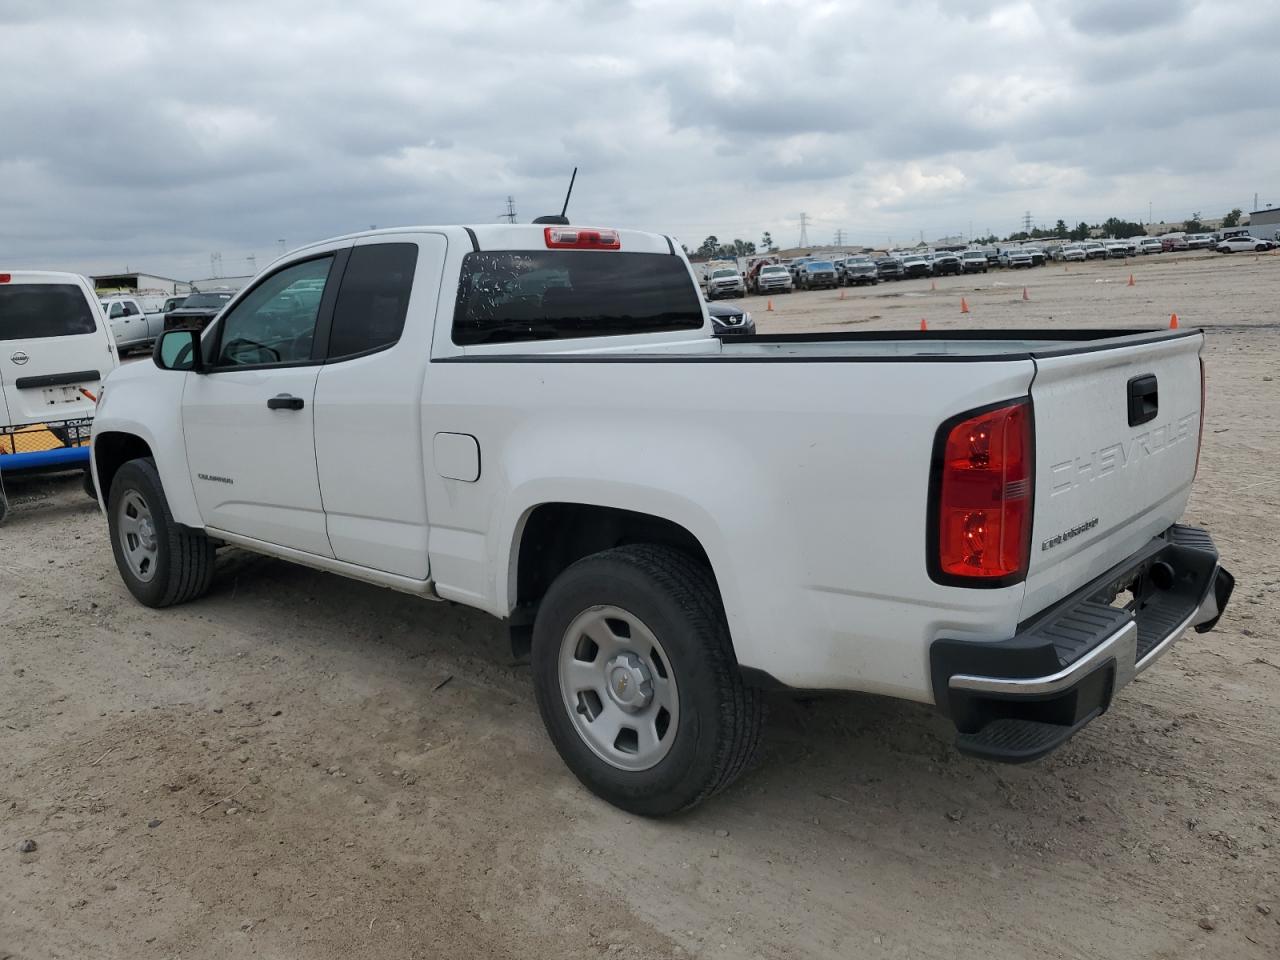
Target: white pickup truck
x=538, y=422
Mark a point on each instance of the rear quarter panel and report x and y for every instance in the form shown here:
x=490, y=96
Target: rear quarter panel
x=805, y=482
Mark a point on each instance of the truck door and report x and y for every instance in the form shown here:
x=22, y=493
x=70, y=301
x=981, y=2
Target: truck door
x=127, y=322
x=369, y=446
x=248, y=420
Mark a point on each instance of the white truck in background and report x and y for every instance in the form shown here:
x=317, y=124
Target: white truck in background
x=137, y=317
x=538, y=422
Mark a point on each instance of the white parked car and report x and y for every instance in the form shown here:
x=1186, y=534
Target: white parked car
x=130, y=324
x=541, y=424
x=55, y=351
x=1149, y=245
x=725, y=282
x=1117, y=249
x=1072, y=252
x=1238, y=244
x=773, y=278
x=1014, y=257
x=1094, y=250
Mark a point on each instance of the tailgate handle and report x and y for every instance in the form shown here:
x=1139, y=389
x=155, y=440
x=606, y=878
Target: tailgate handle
x=1144, y=399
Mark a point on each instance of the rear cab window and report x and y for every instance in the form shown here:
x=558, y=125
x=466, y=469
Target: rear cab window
x=32, y=311
x=508, y=296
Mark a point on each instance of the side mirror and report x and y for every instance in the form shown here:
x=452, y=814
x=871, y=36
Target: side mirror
x=179, y=350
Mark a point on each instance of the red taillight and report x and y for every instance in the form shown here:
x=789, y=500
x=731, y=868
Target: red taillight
x=983, y=497
x=1200, y=437
x=576, y=238
x=5, y=277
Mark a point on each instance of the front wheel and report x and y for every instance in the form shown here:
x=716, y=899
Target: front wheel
x=161, y=562
x=637, y=682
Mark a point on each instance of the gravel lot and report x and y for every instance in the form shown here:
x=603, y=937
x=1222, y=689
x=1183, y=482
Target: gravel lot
x=303, y=766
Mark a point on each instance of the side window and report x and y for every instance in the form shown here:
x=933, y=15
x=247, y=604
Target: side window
x=130, y=309
x=276, y=321
x=373, y=299
x=117, y=310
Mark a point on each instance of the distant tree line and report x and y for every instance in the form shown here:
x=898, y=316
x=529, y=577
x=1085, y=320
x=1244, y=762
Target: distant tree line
x=713, y=249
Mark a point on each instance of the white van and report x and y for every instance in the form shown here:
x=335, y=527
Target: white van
x=55, y=350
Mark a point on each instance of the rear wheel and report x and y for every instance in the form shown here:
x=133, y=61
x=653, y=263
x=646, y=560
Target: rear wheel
x=637, y=683
x=161, y=562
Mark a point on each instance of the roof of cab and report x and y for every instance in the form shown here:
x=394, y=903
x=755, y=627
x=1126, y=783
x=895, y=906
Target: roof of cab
x=507, y=236
x=42, y=276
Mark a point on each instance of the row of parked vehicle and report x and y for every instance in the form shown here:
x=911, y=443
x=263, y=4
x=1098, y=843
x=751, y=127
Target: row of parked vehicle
x=817, y=272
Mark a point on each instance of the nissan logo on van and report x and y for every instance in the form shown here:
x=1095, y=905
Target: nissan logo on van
x=19, y=358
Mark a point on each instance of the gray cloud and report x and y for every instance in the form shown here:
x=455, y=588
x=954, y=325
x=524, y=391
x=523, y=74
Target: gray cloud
x=152, y=134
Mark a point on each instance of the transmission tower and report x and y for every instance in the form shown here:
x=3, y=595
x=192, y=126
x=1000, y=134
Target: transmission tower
x=510, y=215
x=215, y=264
x=1026, y=222
x=804, y=230
x=839, y=238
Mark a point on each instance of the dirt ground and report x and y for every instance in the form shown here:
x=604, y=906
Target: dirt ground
x=304, y=766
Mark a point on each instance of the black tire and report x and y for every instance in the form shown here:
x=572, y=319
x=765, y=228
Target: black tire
x=90, y=490
x=720, y=718
x=184, y=557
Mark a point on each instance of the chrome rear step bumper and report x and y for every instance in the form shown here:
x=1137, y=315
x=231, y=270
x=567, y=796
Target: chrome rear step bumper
x=1018, y=699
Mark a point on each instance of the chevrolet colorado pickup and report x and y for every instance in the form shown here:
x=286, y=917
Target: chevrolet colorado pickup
x=538, y=422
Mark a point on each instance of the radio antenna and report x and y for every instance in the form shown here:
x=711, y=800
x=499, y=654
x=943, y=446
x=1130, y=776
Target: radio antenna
x=560, y=218
x=565, y=208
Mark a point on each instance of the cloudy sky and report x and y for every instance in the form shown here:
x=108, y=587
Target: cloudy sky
x=150, y=134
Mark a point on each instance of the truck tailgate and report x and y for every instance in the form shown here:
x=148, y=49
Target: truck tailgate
x=1116, y=439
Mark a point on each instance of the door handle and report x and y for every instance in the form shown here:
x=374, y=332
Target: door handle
x=284, y=401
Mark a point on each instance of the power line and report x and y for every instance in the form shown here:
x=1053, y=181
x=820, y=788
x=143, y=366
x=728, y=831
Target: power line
x=510, y=215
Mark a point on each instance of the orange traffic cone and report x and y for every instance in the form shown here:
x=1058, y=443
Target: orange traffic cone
x=1131, y=279
x=841, y=294
x=964, y=306
x=924, y=325
x=1025, y=295
x=933, y=284
x=1066, y=268
x=1173, y=321
x=769, y=308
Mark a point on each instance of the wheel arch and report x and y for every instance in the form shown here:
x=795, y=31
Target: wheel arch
x=552, y=534
x=112, y=449
x=555, y=534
